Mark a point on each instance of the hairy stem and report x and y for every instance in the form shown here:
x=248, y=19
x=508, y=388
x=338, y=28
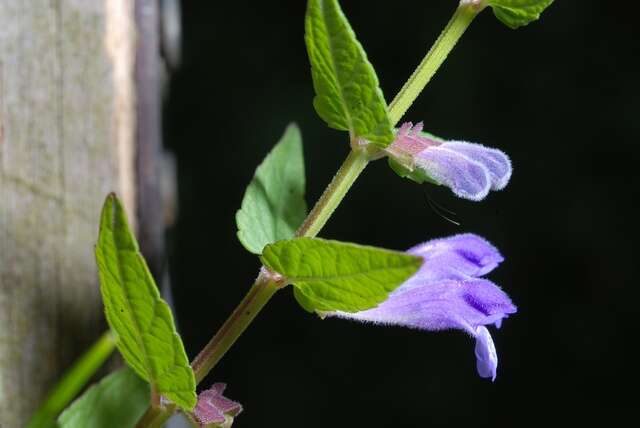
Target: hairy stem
x=460, y=21
x=334, y=193
x=155, y=417
x=263, y=288
x=258, y=296
x=266, y=284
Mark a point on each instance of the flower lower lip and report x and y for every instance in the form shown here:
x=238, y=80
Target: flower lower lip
x=448, y=292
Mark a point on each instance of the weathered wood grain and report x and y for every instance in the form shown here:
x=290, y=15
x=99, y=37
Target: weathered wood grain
x=67, y=127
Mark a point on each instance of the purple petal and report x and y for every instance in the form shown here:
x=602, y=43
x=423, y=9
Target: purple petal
x=464, y=176
x=487, y=299
x=427, y=301
x=440, y=305
x=458, y=256
x=486, y=355
x=447, y=292
x=495, y=161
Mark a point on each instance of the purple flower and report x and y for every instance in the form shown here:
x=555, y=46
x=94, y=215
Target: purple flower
x=214, y=408
x=469, y=170
x=448, y=292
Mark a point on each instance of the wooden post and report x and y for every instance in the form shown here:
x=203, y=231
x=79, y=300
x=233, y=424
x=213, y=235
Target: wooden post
x=70, y=124
x=149, y=201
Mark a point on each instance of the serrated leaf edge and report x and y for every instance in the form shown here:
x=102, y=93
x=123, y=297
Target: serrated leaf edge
x=158, y=301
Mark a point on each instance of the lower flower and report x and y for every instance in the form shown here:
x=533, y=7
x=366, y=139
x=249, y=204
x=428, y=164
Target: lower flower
x=448, y=292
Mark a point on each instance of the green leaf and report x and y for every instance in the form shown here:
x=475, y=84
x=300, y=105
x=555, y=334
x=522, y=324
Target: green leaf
x=348, y=95
x=147, y=338
x=119, y=400
x=516, y=13
x=72, y=382
x=273, y=206
x=332, y=275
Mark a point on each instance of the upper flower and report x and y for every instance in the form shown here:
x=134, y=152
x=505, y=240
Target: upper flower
x=469, y=170
x=448, y=292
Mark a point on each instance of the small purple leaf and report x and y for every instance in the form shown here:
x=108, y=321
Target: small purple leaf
x=214, y=408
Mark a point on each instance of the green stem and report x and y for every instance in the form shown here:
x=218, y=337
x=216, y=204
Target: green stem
x=334, y=193
x=460, y=21
x=262, y=290
x=258, y=296
x=267, y=283
x=73, y=381
x=155, y=417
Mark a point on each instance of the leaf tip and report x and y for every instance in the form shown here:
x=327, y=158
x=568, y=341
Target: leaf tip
x=111, y=204
x=292, y=127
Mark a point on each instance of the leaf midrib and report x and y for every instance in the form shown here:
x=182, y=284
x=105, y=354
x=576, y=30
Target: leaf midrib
x=346, y=276
x=335, y=69
x=138, y=328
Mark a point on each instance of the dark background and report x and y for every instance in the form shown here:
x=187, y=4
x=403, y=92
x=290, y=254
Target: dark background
x=559, y=96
